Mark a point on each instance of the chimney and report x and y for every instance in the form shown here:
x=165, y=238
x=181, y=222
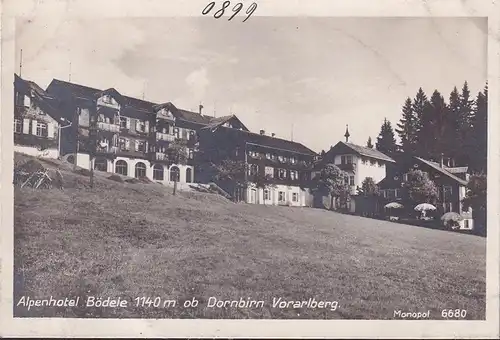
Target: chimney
x=442, y=161
x=262, y=132
x=273, y=134
x=200, y=108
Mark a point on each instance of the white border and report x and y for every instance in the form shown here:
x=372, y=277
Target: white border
x=250, y=328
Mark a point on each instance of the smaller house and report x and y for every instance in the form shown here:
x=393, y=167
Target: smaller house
x=359, y=162
x=37, y=120
x=451, y=183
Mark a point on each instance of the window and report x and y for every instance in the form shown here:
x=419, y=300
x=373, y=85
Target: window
x=269, y=171
x=391, y=193
x=295, y=197
x=281, y=196
x=190, y=153
x=281, y=173
x=397, y=193
x=140, y=170
x=293, y=160
x=372, y=162
x=405, y=177
x=268, y=155
x=141, y=146
x=466, y=224
x=123, y=144
x=363, y=161
x=285, y=159
x=140, y=126
x=380, y=164
x=274, y=156
x=383, y=193
x=294, y=175
x=121, y=167
x=253, y=154
x=27, y=101
x=346, y=180
x=41, y=129
x=448, y=206
x=191, y=135
x=158, y=172
x=18, y=126
x=253, y=170
x=189, y=175
x=176, y=132
x=351, y=180
x=123, y=122
x=266, y=195
x=346, y=159
x=447, y=193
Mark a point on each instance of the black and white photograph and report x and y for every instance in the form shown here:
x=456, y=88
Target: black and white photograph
x=230, y=165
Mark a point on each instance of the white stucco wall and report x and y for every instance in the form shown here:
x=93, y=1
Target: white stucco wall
x=256, y=195
x=83, y=161
x=33, y=151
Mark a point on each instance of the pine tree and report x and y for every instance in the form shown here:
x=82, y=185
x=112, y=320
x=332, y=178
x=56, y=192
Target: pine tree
x=455, y=135
x=407, y=128
x=479, y=133
x=369, y=143
x=465, y=118
x=439, y=122
x=386, y=142
x=420, y=105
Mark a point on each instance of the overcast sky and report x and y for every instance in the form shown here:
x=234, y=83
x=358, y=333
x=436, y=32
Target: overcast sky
x=315, y=74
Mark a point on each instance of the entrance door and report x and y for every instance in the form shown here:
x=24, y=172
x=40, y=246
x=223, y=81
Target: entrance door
x=253, y=196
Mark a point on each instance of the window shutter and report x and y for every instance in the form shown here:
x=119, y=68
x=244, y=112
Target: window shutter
x=33, y=127
x=146, y=146
x=137, y=125
x=146, y=129
x=128, y=122
x=26, y=126
x=136, y=145
x=127, y=144
x=50, y=130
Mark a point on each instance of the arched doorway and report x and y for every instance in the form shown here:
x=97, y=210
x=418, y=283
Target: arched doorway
x=158, y=172
x=121, y=167
x=101, y=164
x=140, y=170
x=189, y=174
x=175, y=174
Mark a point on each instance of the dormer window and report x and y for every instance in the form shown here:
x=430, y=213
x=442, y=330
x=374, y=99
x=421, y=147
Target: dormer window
x=107, y=99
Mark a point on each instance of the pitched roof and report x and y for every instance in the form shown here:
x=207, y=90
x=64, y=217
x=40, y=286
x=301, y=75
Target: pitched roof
x=45, y=101
x=443, y=170
x=267, y=141
x=365, y=151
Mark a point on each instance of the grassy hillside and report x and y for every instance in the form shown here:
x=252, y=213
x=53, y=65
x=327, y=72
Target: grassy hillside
x=132, y=240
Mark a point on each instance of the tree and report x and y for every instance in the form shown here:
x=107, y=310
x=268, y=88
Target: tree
x=332, y=180
x=386, y=142
x=421, y=189
x=456, y=131
x=407, y=128
x=369, y=143
x=479, y=133
x=420, y=106
x=438, y=122
x=476, y=199
x=368, y=187
x=177, y=154
x=234, y=171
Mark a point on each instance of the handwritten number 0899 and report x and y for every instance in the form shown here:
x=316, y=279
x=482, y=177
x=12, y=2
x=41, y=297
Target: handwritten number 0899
x=236, y=9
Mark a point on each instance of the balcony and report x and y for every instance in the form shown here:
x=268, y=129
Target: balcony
x=350, y=167
x=159, y=156
x=165, y=136
x=108, y=127
x=106, y=149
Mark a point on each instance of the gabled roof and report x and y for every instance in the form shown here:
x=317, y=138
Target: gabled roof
x=443, y=170
x=43, y=100
x=360, y=150
x=265, y=140
x=218, y=121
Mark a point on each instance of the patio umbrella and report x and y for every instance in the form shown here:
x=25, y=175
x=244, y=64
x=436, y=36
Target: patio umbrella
x=424, y=207
x=393, y=205
x=451, y=216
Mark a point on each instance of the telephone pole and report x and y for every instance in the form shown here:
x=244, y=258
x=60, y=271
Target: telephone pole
x=21, y=64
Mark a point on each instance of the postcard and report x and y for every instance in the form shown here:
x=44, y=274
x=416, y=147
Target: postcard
x=252, y=169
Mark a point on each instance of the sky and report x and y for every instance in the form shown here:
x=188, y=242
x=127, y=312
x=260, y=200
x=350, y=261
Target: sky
x=298, y=77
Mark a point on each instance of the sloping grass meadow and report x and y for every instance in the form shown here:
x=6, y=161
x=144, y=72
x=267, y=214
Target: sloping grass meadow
x=138, y=240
